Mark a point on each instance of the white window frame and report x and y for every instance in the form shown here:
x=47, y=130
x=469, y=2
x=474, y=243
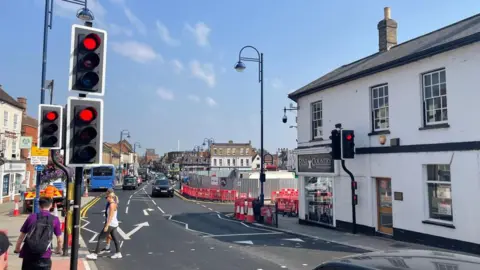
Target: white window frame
x=15, y=121
x=228, y=162
x=432, y=93
x=214, y=162
x=14, y=147
x=316, y=120
x=228, y=151
x=380, y=103
x=427, y=198
x=241, y=162
x=241, y=151
x=247, y=162
x=220, y=162
x=5, y=119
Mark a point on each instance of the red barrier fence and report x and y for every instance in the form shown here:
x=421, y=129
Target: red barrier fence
x=287, y=200
x=210, y=194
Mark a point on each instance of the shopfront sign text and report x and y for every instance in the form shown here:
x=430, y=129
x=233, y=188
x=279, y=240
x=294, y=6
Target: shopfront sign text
x=316, y=163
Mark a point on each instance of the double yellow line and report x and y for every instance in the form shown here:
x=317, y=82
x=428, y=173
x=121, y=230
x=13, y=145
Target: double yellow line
x=83, y=211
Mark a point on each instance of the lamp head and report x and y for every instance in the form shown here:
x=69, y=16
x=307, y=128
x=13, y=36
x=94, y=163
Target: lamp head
x=85, y=14
x=240, y=66
x=284, y=119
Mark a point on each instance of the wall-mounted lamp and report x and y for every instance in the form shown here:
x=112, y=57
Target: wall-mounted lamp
x=292, y=108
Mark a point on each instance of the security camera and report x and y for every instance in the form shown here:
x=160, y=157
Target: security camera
x=284, y=119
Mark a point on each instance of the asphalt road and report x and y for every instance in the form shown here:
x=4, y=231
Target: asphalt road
x=178, y=234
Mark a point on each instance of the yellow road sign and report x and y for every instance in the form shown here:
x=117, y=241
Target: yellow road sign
x=39, y=152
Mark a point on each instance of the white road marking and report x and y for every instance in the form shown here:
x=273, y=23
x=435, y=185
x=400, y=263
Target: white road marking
x=248, y=242
x=192, y=249
x=92, y=240
x=154, y=202
x=248, y=226
x=122, y=233
x=217, y=212
x=150, y=253
x=169, y=216
x=210, y=209
x=240, y=234
x=145, y=211
x=197, y=203
x=126, y=210
x=137, y=228
x=130, y=196
x=86, y=265
x=172, y=251
x=121, y=244
x=283, y=266
x=161, y=210
x=305, y=264
x=128, y=203
x=204, y=206
x=88, y=230
x=186, y=226
x=294, y=240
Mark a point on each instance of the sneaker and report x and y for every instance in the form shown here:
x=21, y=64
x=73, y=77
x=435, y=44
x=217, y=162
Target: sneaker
x=117, y=255
x=105, y=250
x=92, y=256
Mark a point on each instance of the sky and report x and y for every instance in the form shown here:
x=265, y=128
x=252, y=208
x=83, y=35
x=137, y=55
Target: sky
x=170, y=75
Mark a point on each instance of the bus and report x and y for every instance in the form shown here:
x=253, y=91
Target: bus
x=102, y=176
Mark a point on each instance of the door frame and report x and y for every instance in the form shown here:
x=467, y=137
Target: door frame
x=381, y=229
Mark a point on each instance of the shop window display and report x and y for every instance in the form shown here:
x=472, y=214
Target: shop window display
x=319, y=199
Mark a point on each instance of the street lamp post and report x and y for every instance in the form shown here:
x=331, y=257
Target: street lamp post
x=135, y=153
x=240, y=66
x=126, y=132
x=47, y=24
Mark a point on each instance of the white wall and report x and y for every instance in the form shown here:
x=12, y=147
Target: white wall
x=236, y=158
x=349, y=103
x=11, y=110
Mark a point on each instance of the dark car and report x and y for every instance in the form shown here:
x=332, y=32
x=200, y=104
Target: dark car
x=162, y=187
x=403, y=259
x=129, y=182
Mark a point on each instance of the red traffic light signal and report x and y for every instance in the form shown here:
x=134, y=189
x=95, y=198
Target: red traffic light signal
x=91, y=42
x=87, y=115
x=51, y=116
x=349, y=137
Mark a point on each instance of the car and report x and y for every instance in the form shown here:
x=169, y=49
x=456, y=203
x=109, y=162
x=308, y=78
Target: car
x=162, y=187
x=129, y=182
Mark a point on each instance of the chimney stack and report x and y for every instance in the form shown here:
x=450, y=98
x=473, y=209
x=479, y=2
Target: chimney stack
x=387, y=32
x=23, y=102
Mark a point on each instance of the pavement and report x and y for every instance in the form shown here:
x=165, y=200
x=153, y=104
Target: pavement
x=13, y=224
x=175, y=233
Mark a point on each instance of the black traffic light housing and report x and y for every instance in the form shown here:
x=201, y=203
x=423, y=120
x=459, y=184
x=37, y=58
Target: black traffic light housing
x=50, y=126
x=84, y=131
x=336, y=145
x=88, y=60
x=348, y=144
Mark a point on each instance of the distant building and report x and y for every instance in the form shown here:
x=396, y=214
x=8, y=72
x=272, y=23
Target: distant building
x=29, y=129
x=224, y=156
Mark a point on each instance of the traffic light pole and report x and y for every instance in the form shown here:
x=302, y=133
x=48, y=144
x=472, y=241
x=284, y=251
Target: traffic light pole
x=76, y=217
x=354, y=212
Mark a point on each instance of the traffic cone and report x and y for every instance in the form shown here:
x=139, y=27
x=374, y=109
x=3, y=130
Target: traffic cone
x=16, y=210
x=85, y=194
x=249, y=218
x=241, y=214
x=237, y=210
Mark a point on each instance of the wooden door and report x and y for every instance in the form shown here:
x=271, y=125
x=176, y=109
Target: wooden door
x=384, y=205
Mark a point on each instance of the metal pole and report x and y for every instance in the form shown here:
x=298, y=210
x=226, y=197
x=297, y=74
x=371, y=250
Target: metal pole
x=262, y=161
x=134, y=156
x=66, y=206
x=76, y=217
x=120, y=159
x=354, y=212
x=42, y=92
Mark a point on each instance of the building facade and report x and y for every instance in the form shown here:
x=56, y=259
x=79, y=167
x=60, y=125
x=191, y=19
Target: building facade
x=225, y=156
x=13, y=168
x=29, y=129
x=417, y=151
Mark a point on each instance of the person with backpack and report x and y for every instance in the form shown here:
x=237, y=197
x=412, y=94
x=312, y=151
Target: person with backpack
x=36, y=235
x=110, y=228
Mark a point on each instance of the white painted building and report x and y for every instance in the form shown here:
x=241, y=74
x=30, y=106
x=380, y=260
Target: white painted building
x=13, y=170
x=413, y=107
x=229, y=156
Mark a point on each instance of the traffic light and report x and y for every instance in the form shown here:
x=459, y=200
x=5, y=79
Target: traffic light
x=354, y=185
x=84, y=131
x=348, y=144
x=50, y=126
x=88, y=60
x=355, y=199
x=336, y=147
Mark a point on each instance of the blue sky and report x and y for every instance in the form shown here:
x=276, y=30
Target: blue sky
x=170, y=64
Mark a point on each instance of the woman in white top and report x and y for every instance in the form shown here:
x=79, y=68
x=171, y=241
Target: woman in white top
x=110, y=229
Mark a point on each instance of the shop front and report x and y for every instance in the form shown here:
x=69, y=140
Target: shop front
x=13, y=175
x=316, y=197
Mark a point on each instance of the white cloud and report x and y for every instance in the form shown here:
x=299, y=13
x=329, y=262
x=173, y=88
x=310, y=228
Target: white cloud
x=165, y=35
x=115, y=29
x=139, y=52
x=210, y=101
x=177, y=65
x=201, y=32
x=193, y=98
x=204, y=72
x=165, y=94
x=277, y=83
x=135, y=21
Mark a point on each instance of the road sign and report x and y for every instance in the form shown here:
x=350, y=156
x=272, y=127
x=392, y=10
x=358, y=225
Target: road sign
x=38, y=160
x=25, y=142
x=39, y=168
x=39, y=152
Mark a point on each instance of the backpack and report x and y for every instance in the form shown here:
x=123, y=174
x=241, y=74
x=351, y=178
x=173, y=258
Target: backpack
x=40, y=236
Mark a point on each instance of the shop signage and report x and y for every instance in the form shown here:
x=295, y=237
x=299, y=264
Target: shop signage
x=316, y=163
